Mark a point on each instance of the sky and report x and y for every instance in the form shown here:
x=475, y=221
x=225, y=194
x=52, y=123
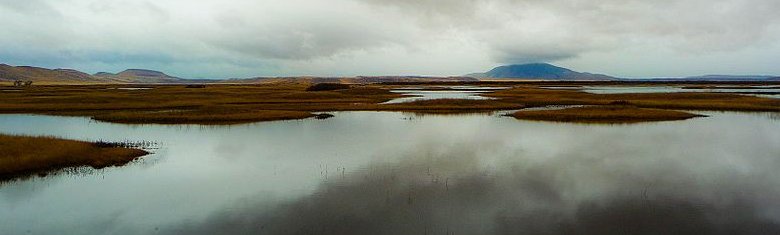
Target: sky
x=248, y=38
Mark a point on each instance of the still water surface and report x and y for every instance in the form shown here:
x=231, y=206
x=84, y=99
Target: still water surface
x=415, y=95
x=762, y=91
x=396, y=173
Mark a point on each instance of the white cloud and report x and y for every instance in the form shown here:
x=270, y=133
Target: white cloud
x=211, y=38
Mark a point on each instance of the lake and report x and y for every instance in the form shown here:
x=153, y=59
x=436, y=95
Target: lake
x=399, y=173
x=444, y=92
x=770, y=91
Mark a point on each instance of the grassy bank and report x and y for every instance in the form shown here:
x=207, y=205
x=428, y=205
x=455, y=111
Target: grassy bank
x=604, y=114
x=23, y=155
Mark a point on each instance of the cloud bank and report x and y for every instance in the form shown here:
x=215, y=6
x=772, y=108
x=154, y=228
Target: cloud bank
x=370, y=37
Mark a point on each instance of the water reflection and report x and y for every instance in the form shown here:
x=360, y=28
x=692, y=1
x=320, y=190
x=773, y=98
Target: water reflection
x=415, y=95
x=442, y=92
x=762, y=91
x=377, y=173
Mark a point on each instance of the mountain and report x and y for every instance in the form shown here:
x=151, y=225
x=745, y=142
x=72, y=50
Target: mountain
x=36, y=74
x=539, y=71
x=139, y=76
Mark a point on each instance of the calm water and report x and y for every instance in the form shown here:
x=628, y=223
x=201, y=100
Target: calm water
x=395, y=173
x=764, y=91
x=415, y=95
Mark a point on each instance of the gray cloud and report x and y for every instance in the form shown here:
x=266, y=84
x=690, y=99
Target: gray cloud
x=527, y=30
x=327, y=38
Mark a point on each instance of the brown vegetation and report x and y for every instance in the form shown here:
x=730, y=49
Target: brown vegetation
x=242, y=103
x=202, y=116
x=533, y=96
x=214, y=104
x=328, y=87
x=221, y=104
x=22, y=155
x=604, y=114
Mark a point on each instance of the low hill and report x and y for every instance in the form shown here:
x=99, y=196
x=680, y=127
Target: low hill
x=139, y=76
x=144, y=76
x=70, y=76
x=36, y=74
x=538, y=71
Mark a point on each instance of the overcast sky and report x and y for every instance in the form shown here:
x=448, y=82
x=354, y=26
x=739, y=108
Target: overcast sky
x=244, y=38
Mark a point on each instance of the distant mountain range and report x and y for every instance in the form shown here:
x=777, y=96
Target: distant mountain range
x=44, y=75
x=143, y=76
x=538, y=71
x=35, y=74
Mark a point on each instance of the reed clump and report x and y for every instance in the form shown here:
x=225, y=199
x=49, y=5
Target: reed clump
x=26, y=155
x=604, y=114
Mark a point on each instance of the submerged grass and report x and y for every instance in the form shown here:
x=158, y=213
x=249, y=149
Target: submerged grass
x=25, y=155
x=604, y=114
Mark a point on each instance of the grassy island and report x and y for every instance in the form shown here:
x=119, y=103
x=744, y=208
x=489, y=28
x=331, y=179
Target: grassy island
x=604, y=114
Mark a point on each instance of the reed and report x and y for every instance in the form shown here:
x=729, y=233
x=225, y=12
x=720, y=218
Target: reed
x=604, y=114
x=27, y=155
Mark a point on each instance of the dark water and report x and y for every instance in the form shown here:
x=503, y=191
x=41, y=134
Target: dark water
x=393, y=173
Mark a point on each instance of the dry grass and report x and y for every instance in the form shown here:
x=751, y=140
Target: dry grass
x=604, y=114
x=221, y=104
x=22, y=155
x=533, y=96
x=243, y=103
x=203, y=116
x=214, y=104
